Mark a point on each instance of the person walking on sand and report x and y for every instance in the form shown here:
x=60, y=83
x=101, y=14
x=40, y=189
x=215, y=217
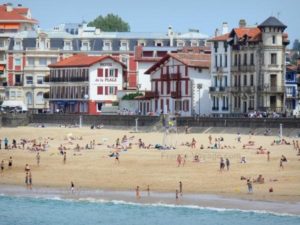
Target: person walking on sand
x=30, y=180
x=38, y=157
x=193, y=145
x=227, y=164
x=148, y=190
x=5, y=143
x=72, y=187
x=179, y=160
x=281, y=164
x=209, y=139
x=65, y=157
x=268, y=156
x=117, y=158
x=249, y=184
x=137, y=192
x=26, y=180
x=222, y=164
x=2, y=166
x=10, y=161
x=180, y=188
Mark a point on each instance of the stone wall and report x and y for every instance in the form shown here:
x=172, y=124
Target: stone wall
x=15, y=119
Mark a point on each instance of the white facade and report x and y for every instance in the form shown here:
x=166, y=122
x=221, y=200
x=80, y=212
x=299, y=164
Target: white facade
x=144, y=79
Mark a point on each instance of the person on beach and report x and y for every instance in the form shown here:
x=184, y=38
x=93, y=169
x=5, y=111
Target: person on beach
x=10, y=161
x=117, y=158
x=268, y=156
x=239, y=137
x=209, y=139
x=27, y=168
x=5, y=143
x=72, y=187
x=38, y=157
x=179, y=160
x=249, y=185
x=222, y=164
x=281, y=164
x=0, y=143
x=193, y=145
x=65, y=157
x=227, y=163
x=148, y=190
x=180, y=188
x=2, y=166
x=176, y=194
x=26, y=180
x=30, y=180
x=137, y=192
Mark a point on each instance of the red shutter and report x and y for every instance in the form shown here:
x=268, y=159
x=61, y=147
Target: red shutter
x=100, y=90
x=100, y=72
x=106, y=72
x=186, y=87
x=116, y=72
x=106, y=90
x=116, y=90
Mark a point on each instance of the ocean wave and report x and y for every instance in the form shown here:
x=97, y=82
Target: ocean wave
x=159, y=204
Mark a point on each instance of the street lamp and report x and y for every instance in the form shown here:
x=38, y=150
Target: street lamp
x=199, y=87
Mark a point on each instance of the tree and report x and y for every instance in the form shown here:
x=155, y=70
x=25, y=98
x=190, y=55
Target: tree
x=110, y=23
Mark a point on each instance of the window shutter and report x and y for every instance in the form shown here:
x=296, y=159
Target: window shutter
x=100, y=90
x=116, y=90
x=106, y=72
x=100, y=72
x=106, y=90
x=116, y=72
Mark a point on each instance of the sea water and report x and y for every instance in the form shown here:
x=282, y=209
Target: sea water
x=56, y=211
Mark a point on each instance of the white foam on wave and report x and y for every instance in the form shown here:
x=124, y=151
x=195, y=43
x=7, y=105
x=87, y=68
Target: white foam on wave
x=159, y=204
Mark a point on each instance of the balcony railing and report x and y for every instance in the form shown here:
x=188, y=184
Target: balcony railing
x=215, y=108
x=218, y=89
x=175, y=94
x=224, y=108
x=275, y=89
x=235, y=89
x=248, y=89
x=272, y=109
x=74, y=79
x=243, y=68
x=151, y=94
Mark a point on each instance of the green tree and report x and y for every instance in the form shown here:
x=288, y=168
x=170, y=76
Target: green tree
x=110, y=23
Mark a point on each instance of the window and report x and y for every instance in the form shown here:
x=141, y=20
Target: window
x=68, y=45
x=245, y=59
x=19, y=94
x=180, y=43
x=100, y=72
x=225, y=61
x=18, y=45
x=12, y=94
x=111, y=72
x=251, y=103
x=124, y=46
x=53, y=60
x=112, y=90
x=17, y=62
x=225, y=46
x=251, y=80
x=100, y=90
x=43, y=61
x=221, y=61
x=99, y=106
x=273, y=40
x=18, y=79
x=239, y=62
x=252, y=59
x=194, y=43
x=107, y=46
x=216, y=81
x=29, y=80
x=216, y=46
x=235, y=59
x=216, y=61
x=245, y=80
x=40, y=79
x=225, y=81
x=141, y=43
x=85, y=46
x=159, y=43
x=40, y=98
x=30, y=61
x=29, y=98
x=273, y=58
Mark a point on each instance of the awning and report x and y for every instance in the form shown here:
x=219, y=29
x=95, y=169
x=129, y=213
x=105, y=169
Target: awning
x=1, y=67
x=10, y=26
x=14, y=104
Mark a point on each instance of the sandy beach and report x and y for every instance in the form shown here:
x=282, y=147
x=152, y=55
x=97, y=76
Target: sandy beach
x=94, y=169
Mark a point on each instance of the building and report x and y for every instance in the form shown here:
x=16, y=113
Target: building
x=12, y=21
x=179, y=85
x=248, y=68
x=291, y=88
x=85, y=84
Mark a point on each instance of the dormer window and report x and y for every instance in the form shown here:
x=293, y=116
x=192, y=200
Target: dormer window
x=85, y=46
x=107, y=45
x=159, y=43
x=124, y=46
x=68, y=45
x=18, y=44
x=141, y=43
x=194, y=43
x=43, y=43
x=180, y=43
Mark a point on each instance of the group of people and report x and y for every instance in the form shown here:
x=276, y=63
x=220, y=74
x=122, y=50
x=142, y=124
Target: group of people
x=2, y=165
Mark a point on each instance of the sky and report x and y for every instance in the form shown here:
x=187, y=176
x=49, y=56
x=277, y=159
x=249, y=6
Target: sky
x=158, y=15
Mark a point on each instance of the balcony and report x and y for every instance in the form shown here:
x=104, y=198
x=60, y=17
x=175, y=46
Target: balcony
x=275, y=89
x=176, y=94
x=215, y=108
x=248, y=89
x=247, y=68
x=19, y=84
x=74, y=79
x=151, y=94
x=218, y=89
x=224, y=108
x=175, y=76
x=235, y=89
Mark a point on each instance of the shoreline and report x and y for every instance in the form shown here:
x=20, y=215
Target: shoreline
x=205, y=201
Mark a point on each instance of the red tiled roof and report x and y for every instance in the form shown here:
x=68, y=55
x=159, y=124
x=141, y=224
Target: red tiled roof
x=15, y=15
x=82, y=60
x=223, y=37
x=253, y=33
x=188, y=59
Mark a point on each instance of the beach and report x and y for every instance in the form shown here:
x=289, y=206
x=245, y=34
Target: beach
x=94, y=169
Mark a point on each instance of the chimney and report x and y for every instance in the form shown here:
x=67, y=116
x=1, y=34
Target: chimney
x=216, y=32
x=225, y=29
x=171, y=35
x=9, y=7
x=242, y=23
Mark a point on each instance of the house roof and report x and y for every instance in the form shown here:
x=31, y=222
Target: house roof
x=188, y=59
x=252, y=33
x=16, y=15
x=82, y=60
x=223, y=37
x=272, y=22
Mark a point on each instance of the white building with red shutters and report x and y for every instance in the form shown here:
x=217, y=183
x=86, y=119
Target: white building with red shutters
x=85, y=84
x=179, y=85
